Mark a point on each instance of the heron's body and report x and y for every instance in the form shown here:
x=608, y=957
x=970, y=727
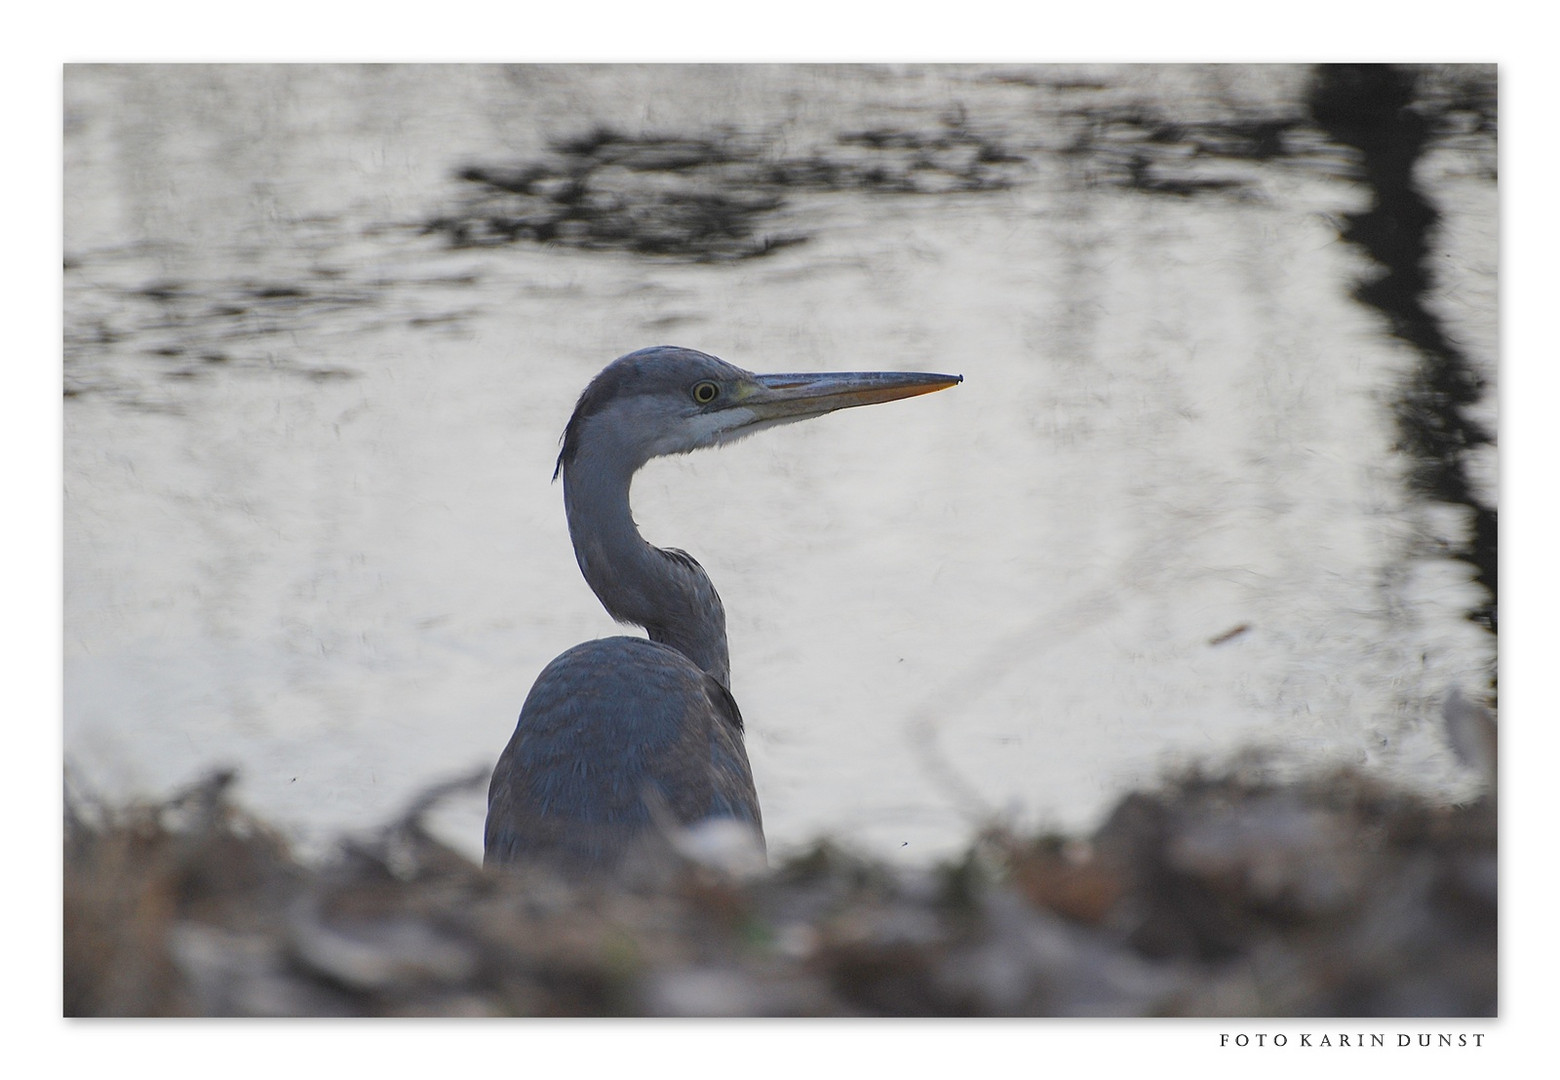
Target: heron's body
x=621, y=736
x=556, y=795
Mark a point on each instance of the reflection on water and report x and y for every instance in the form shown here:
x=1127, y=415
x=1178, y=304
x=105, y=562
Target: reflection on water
x=703, y=196
x=1377, y=109
x=323, y=326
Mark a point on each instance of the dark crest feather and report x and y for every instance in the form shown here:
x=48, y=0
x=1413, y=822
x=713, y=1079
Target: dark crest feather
x=630, y=369
x=591, y=400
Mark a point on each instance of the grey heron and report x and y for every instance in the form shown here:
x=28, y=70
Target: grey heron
x=621, y=735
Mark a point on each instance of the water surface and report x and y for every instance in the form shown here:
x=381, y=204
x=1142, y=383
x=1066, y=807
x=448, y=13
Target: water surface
x=324, y=325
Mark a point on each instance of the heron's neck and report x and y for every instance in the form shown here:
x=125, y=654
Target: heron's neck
x=667, y=593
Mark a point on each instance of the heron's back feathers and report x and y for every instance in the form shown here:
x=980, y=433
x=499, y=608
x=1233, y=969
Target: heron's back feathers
x=613, y=732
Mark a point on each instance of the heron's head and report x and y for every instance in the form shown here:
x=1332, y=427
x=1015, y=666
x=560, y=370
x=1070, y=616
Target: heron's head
x=668, y=400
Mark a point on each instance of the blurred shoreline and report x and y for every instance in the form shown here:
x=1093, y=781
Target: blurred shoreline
x=1214, y=895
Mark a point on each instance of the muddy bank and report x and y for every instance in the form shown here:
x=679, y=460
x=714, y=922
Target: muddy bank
x=1216, y=896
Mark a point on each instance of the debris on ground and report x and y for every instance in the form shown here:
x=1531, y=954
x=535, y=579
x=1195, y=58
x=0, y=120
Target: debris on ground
x=1216, y=896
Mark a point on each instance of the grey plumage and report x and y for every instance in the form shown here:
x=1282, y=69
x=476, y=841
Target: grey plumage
x=622, y=735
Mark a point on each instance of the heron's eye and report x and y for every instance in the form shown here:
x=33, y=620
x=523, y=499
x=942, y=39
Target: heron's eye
x=705, y=392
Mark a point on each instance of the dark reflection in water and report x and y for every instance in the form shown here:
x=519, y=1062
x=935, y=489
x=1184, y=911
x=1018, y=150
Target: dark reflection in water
x=1142, y=148
x=1382, y=112
x=713, y=195
x=706, y=197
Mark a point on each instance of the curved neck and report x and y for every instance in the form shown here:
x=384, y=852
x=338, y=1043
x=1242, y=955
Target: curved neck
x=666, y=592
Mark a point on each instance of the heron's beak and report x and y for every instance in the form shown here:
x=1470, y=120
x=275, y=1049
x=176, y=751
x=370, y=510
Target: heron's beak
x=775, y=398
